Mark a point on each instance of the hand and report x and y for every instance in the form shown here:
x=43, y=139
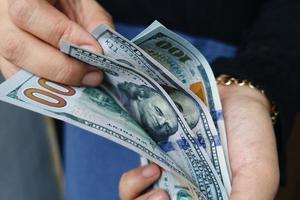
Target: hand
x=252, y=150
x=251, y=143
x=30, y=32
x=136, y=181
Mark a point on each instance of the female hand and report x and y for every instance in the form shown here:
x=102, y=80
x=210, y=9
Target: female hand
x=252, y=150
x=30, y=32
x=134, y=182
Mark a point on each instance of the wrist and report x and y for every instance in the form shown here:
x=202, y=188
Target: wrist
x=249, y=91
x=238, y=94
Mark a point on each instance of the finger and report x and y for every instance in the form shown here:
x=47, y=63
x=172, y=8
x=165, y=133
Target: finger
x=35, y=56
x=41, y=19
x=92, y=14
x=7, y=69
x=134, y=182
x=89, y=14
x=154, y=195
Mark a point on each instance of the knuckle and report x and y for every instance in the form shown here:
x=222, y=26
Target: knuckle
x=67, y=74
x=61, y=30
x=20, y=11
x=12, y=48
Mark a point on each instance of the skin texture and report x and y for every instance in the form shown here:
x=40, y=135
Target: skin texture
x=252, y=150
x=31, y=30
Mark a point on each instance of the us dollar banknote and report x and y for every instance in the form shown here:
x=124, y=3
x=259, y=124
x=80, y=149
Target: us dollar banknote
x=149, y=104
x=92, y=109
x=185, y=61
x=196, y=113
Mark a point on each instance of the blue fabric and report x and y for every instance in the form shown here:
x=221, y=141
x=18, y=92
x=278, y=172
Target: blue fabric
x=211, y=49
x=93, y=165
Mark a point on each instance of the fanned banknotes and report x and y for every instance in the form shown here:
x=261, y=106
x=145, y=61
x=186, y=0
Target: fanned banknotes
x=92, y=109
x=197, y=114
x=139, y=94
x=142, y=105
x=185, y=62
x=85, y=108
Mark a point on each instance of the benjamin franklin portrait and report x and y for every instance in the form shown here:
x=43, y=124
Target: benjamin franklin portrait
x=150, y=109
x=186, y=105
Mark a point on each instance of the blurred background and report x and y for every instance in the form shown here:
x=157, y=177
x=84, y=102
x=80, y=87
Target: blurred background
x=30, y=167
x=31, y=161
x=291, y=190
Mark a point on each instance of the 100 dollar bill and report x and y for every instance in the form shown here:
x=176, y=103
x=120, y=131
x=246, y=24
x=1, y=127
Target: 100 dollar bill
x=150, y=105
x=185, y=61
x=193, y=109
x=92, y=109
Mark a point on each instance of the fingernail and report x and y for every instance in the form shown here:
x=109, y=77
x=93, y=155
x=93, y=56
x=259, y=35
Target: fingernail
x=92, y=79
x=91, y=48
x=150, y=170
x=157, y=196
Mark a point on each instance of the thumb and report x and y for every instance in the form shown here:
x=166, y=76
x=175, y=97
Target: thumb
x=47, y=23
x=89, y=14
x=44, y=26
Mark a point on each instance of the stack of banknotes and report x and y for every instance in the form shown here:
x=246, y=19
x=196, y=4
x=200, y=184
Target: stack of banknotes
x=159, y=99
